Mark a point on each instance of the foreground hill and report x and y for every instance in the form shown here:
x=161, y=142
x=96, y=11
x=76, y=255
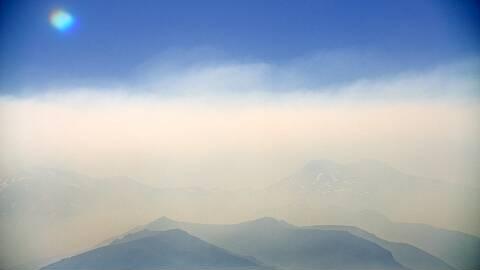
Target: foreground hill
x=285, y=246
x=172, y=249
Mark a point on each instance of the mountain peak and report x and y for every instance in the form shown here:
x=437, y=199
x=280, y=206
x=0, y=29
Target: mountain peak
x=164, y=219
x=320, y=164
x=162, y=223
x=267, y=221
x=144, y=233
x=171, y=249
x=323, y=175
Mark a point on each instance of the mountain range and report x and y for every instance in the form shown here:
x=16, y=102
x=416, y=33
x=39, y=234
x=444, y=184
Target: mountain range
x=374, y=186
x=158, y=245
x=271, y=241
x=46, y=206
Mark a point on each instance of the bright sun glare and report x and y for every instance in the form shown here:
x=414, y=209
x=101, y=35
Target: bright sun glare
x=61, y=20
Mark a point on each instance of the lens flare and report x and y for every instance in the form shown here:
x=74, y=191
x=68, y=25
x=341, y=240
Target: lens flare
x=61, y=20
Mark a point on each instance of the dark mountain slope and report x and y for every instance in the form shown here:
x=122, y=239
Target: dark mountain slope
x=173, y=249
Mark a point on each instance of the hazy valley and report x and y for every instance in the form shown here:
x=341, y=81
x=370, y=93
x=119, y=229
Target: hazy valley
x=339, y=211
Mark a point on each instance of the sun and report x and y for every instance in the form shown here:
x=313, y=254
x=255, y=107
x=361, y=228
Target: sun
x=61, y=20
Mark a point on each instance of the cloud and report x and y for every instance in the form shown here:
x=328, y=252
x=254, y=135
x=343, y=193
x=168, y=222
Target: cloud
x=247, y=124
x=206, y=72
x=232, y=125
x=335, y=72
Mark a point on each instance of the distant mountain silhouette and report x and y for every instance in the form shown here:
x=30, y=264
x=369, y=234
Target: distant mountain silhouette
x=458, y=249
x=51, y=199
x=406, y=254
x=280, y=244
x=332, y=192
x=172, y=249
x=321, y=192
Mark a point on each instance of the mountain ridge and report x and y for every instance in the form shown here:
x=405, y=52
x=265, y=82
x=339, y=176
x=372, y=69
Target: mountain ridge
x=171, y=249
x=275, y=242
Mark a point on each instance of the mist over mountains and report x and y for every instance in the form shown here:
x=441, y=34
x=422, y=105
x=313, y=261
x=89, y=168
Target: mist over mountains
x=265, y=243
x=239, y=135
x=406, y=254
x=45, y=214
x=372, y=185
x=456, y=248
x=276, y=243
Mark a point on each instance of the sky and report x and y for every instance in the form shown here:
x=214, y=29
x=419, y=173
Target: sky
x=239, y=93
x=231, y=95
x=110, y=41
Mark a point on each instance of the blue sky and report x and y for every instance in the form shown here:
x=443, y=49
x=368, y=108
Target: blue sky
x=112, y=39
